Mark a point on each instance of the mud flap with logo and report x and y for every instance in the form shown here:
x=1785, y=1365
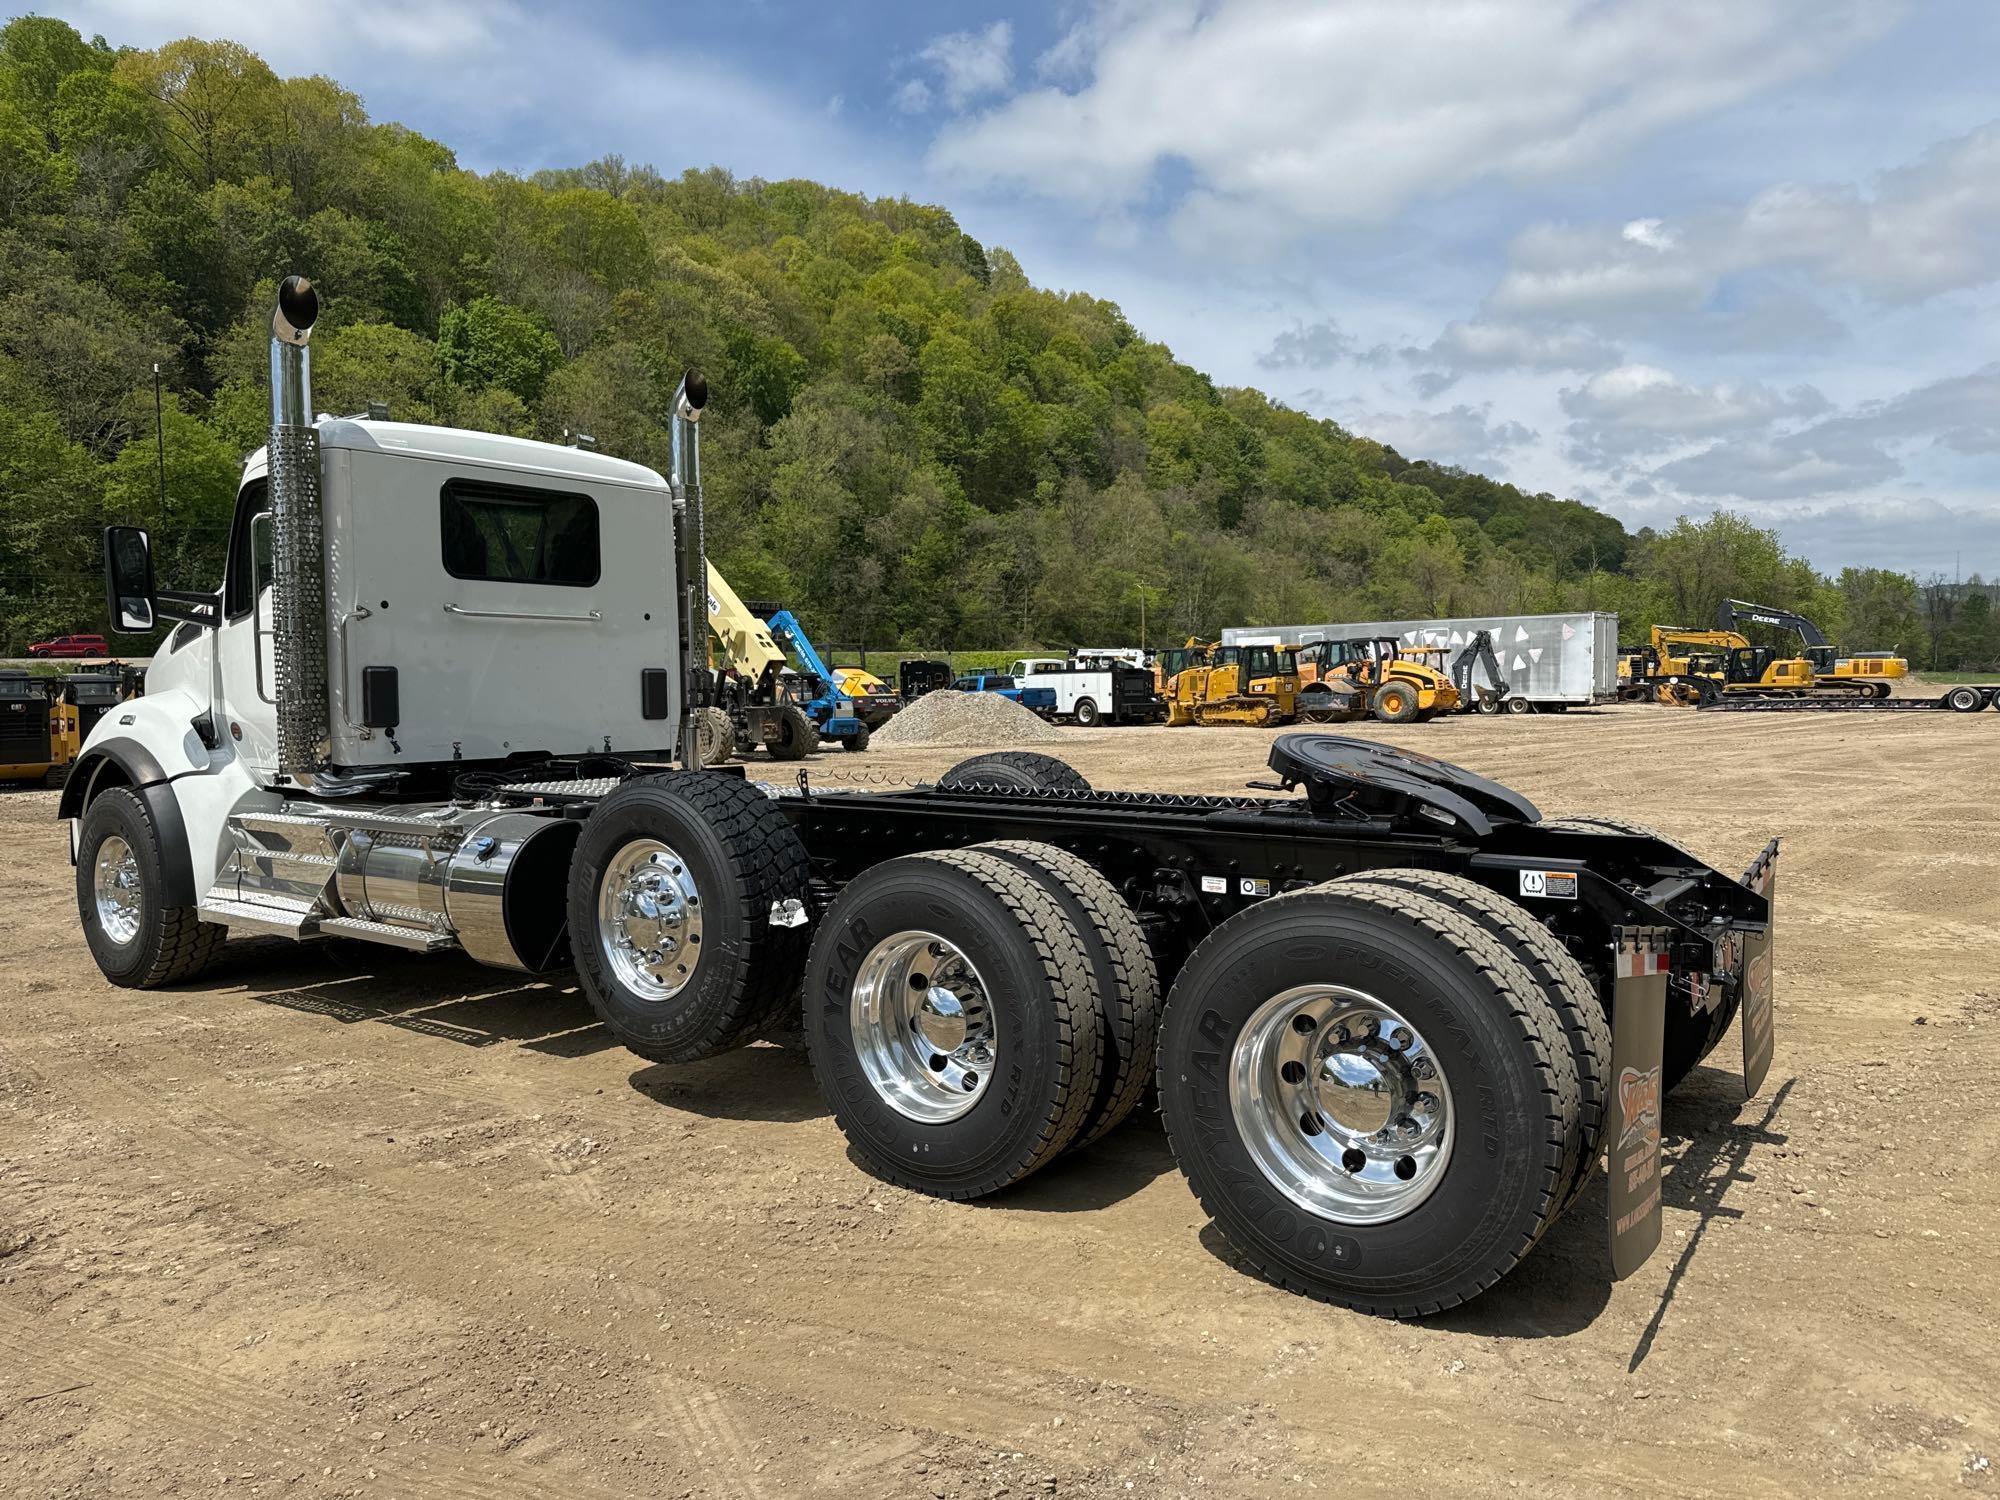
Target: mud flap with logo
x=1756, y=1018
x=1632, y=1134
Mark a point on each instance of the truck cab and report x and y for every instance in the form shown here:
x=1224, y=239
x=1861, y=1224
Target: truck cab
x=1041, y=700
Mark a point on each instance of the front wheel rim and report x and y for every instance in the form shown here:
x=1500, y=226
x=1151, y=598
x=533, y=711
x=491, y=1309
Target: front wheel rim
x=649, y=921
x=923, y=1027
x=1341, y=1103
x=115, y=890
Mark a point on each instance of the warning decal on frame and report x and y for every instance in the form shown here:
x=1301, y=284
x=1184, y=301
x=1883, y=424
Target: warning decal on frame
x=1550, y=885
x=1249, y=887
x=1214, y=885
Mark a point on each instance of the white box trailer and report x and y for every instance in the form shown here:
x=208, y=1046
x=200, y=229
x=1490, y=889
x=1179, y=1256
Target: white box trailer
x=1548, y=661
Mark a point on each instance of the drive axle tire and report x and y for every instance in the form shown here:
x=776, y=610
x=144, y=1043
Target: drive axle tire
x=952, y=1022
x=687, y=913
x=1395, y=703
x=1015, y=770
x=1123, y=975
x=139, y=941
x=1578, y=1005
x=1370, y=1095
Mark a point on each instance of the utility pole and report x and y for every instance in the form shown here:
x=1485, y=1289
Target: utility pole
x=160, y=441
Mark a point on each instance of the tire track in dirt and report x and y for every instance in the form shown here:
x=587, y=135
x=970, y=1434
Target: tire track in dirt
x=209, y=1408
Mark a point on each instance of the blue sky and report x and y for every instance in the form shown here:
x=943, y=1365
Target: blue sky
x=1663, y=257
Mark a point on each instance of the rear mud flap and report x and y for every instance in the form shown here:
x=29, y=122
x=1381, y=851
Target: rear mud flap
x=1758, y=988
x=1632, y=1133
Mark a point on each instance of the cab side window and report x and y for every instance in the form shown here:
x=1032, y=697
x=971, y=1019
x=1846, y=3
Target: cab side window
x=239, y=590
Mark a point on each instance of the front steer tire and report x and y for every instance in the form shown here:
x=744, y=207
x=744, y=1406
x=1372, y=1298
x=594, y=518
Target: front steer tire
x=1508, y=1077
x=168, y=944
x=1027, y=954
x=747, y=865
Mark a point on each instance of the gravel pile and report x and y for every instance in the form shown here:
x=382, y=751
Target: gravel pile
x=966, y=719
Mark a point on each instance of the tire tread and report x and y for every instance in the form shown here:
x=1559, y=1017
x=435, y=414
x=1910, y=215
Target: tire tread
x=1129, y=1018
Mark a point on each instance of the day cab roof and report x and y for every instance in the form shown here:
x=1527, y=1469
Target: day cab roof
x=463, y=448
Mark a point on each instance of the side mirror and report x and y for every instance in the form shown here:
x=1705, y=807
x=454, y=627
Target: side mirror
x=129, y=592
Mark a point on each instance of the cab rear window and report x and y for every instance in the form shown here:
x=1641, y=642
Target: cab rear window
x=515, y=534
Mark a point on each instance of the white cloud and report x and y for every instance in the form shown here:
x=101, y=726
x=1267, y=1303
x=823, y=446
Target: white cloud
x=1924, y=228
x=1916, y=534
x=1462, y=435
x=1850, y=450
x=1307, y=346
x=1652, y=233
x=972, y=64
x=913, y=98
x=1640, y=409
x=1480, y=344
x=1290, y=117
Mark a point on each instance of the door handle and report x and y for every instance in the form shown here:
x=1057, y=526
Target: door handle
x=521, y=614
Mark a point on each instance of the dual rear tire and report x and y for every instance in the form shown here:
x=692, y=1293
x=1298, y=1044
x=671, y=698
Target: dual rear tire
x=973, y=1014
x=1384, y=1089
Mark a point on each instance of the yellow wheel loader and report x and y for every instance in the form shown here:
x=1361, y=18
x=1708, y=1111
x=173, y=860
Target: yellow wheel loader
x=1371, y=675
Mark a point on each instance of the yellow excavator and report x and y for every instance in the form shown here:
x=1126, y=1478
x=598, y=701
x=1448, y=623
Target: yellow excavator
x=1867, y=674
x=1687, y=668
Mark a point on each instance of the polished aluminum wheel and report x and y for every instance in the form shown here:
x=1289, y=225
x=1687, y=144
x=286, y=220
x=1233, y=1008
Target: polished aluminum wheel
x=1341, y=1104
x=924, y=1030
x=115, y=885
x=649, y=919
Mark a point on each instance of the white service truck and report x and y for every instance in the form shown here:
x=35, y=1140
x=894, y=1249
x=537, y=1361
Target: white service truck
x=1094, y=691
x=1393, y=1013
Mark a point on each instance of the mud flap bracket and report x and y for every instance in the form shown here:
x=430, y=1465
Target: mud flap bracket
x=1632, y=1134
x=1757, y=1019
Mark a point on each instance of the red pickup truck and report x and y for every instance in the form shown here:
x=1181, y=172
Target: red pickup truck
x=72, y=645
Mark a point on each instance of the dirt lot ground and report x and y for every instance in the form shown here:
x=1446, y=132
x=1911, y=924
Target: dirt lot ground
x=338, y=1221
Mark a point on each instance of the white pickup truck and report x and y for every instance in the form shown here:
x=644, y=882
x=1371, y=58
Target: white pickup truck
x=1095, y=691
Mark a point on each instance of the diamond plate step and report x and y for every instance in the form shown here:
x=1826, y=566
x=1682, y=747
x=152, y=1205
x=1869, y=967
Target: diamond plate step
x=416, y=939
x=287, y=919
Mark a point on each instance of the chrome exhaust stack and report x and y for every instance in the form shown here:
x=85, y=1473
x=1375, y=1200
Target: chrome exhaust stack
x=298, y=556
x=684, y=479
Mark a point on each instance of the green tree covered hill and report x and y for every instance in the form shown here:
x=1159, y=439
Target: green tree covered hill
x=911, y=443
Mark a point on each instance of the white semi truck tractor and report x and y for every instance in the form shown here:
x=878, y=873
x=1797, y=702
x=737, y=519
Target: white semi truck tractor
x=440, y=700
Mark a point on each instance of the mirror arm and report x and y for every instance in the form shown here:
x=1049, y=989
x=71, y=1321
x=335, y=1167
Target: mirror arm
x=190, y=606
